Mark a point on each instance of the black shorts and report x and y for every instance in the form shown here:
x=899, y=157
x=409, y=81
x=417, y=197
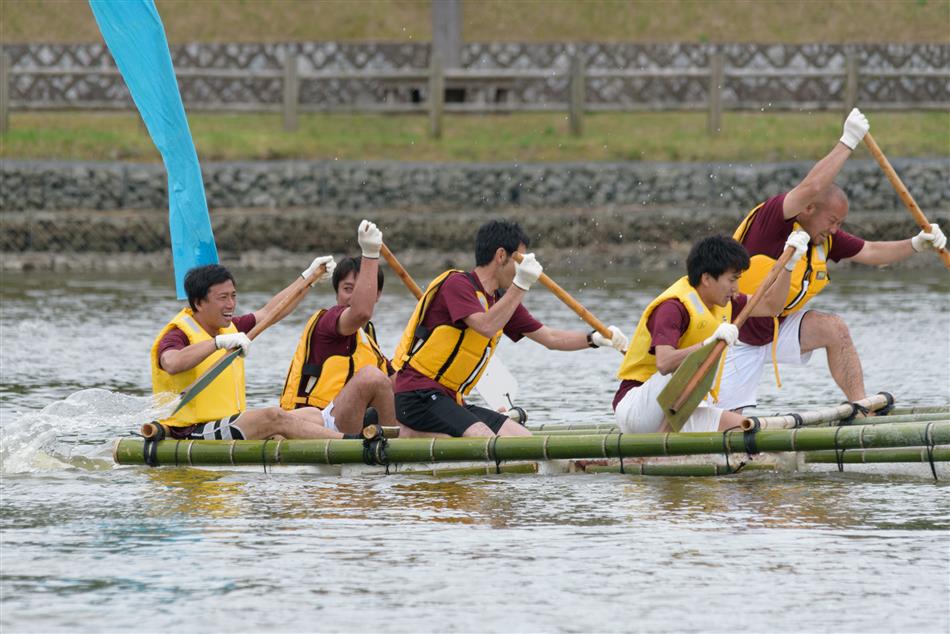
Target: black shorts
x=223, y=429
x=432, y=411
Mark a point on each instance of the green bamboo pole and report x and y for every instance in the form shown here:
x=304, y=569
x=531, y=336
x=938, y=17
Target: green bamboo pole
x=591, y=428
x=927, y=409
x=488, y=469
x=223, y=452
x=682, y=470
x=941, y=453
x=579, y=429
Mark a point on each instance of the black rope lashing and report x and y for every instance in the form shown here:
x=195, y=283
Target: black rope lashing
x=150, y=445
x=884, y=411
x=839, y=452
x=374, y=447
x=264, y=454
x=929, y=436
x=748, y=438
x=725, y=445
x=620, y=453
x=799, y=421
x=492, y=454
x=856, y=408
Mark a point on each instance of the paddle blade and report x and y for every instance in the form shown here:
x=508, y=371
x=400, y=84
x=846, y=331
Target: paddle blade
x=205, y=379
x=682, y=376
x=497, y=385
x=133, y=31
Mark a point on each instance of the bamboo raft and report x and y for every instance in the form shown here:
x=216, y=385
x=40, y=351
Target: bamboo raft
x=904, y=441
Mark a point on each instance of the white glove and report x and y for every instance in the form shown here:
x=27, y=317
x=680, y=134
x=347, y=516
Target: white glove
x=326, y=260
x=726, y=332
x=933, y=240
x=370, y=238
x=233, y=342
x=527, y=272
x=617, y=339
x=855, y=127
x=798, y=239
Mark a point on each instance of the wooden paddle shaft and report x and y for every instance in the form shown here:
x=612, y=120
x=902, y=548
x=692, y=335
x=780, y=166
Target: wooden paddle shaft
x=300, y=286
x=902, y=191
x=400, y=271
x=713, y=357
x=570, y=302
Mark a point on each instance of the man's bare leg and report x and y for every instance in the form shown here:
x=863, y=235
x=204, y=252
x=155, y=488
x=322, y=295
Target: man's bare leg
x=268, y=422
x=368, y=387
x=824, y=330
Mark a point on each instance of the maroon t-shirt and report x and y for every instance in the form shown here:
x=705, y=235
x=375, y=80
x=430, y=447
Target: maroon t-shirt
x=766, y=236
x=326, y=341
x=454, y=301
x=176, y=339
x=666, y=324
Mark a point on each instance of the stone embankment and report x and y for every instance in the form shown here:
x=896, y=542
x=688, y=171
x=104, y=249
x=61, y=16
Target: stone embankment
x=268, y=211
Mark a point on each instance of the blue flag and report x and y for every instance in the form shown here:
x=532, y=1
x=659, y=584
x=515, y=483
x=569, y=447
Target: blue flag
x=133, y=31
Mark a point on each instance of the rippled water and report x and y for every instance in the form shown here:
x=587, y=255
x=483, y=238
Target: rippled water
x=90, y=547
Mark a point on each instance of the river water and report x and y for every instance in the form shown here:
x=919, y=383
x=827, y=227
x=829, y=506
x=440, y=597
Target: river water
x=87, y=546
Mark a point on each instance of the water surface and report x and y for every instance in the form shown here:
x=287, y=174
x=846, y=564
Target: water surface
x=91, y=547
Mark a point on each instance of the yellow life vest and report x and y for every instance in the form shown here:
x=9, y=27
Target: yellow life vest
x=318, y=384
x=453, y=355
x=638, y=363
x=224, y=397
x=809, y=276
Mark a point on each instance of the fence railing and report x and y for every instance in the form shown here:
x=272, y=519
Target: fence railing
x=434, y=82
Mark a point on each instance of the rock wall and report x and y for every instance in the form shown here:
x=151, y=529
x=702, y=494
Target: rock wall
x=358, y=185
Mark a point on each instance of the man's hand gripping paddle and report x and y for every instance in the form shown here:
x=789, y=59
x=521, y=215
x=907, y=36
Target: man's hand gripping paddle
x=903, y=192
x=694, y=377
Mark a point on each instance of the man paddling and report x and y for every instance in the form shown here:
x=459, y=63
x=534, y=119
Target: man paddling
x=453, y=332
x=198, y=336
x=694, y=311
x=338, y=363
x=819, y=207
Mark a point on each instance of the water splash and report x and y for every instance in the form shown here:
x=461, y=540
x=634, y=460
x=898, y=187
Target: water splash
x=74, y=433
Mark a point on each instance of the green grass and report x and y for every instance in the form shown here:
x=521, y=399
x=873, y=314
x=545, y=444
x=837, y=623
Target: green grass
x=746, y=137
x=791, y=21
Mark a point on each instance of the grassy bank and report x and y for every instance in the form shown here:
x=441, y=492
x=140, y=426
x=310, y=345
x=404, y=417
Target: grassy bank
x=505, y=20
x=746, y=137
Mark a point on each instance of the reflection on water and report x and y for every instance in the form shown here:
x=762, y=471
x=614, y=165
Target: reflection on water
x=85, y=544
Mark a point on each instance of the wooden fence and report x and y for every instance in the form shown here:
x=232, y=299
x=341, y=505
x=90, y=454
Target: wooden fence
x=434, y=82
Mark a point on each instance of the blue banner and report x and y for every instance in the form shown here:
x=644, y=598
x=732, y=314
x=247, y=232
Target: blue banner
x=133, y=31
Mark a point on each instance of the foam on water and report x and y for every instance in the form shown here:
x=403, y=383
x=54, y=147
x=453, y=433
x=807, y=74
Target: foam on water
x=68, y=434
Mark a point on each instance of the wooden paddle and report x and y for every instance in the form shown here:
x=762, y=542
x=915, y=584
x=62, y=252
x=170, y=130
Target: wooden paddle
x=903, y=192
x=693, y=378
x=299, y=287
x=570, y=302
x=497, y=386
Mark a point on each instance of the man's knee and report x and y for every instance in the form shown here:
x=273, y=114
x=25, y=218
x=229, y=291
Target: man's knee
x=825, y=329
x=372, y=377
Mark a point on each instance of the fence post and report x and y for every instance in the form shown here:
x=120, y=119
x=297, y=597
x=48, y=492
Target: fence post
x=5, y=82
x=290, y=91
x=436, y=97
x=576, y=95
x=716, y=63
x=850, y=82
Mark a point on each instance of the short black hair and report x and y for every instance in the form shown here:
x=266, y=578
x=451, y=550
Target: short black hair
x=498, y=233
x=715, y=255
x=348, y=265
x=199, y=280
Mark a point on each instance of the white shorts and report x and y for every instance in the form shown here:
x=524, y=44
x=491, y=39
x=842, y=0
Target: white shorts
x=744, y=364
x=328, y=420
x=639, y=413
